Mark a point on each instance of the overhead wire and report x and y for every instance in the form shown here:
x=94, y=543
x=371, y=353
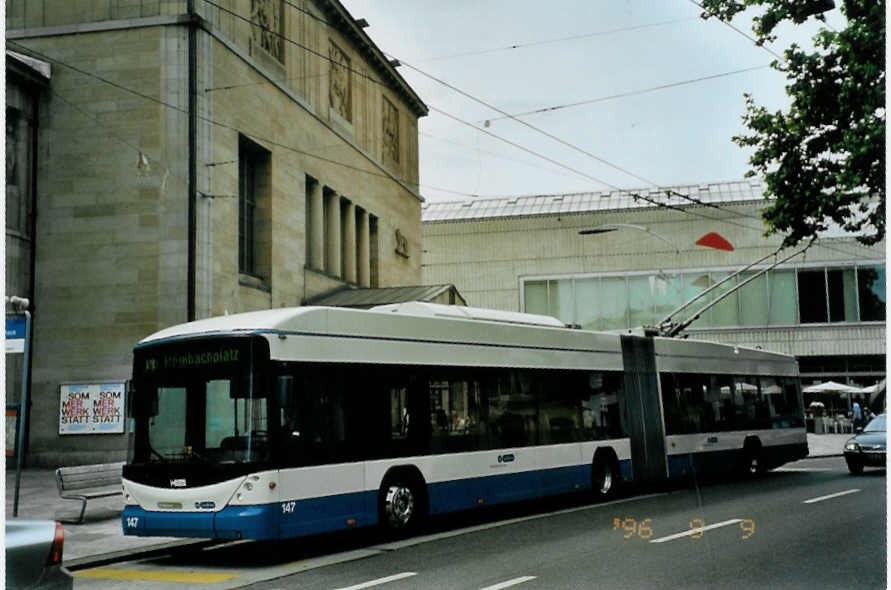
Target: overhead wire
x=184, y=110
x=335, y=162
x=630, y=93
x=574, y=37
x=746, y=35
x=635, y=195
x=492, y=153
x=467, y=95
x=599, y=159
x=558, y=40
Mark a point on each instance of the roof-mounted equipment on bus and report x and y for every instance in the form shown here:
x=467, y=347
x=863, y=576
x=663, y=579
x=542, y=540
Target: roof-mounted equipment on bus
x=422, y=308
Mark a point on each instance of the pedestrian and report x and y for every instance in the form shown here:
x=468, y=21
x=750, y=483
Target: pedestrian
x=858, y=415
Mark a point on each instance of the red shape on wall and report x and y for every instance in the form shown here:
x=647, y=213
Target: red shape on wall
x=716, y=241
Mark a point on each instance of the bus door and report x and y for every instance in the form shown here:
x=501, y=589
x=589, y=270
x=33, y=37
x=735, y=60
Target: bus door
x=643, y=410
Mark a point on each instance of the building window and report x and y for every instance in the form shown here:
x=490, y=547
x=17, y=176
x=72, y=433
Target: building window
x=373, y=251
x=253, y=209
x=812, y=296
x=841, y=288
x=871, y=288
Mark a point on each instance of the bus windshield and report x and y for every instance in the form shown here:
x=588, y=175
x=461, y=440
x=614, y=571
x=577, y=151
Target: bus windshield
x=202, y=401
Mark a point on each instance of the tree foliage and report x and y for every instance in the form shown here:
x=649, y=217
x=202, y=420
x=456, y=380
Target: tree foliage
x=824, y=159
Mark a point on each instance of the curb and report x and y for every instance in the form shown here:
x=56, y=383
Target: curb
x=101, y=559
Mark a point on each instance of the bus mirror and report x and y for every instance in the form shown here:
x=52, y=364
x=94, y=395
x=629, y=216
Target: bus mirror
x=284, y=390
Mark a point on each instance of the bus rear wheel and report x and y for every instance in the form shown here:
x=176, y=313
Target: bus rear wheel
x=754, y=462
x=604, y=478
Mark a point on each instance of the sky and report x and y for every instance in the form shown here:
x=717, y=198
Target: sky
x=572, y=51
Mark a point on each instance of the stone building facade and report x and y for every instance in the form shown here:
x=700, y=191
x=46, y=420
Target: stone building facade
x=198, y=158
x=826, y=307
x=26, y=80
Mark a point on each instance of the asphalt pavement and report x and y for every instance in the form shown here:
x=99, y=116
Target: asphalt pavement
x=98, y=539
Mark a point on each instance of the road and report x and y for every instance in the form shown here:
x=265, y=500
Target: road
x=808, y=525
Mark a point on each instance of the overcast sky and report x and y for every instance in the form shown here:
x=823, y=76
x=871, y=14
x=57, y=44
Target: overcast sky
x=576, y=51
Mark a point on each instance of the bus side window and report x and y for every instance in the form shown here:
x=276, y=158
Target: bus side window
x=409, y=425
x=671, y=403
x=514, y=412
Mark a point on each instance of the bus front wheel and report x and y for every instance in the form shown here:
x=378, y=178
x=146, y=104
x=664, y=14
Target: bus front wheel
x=401, y=507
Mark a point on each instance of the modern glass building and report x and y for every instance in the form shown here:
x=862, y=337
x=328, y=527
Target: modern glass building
x=826, y=307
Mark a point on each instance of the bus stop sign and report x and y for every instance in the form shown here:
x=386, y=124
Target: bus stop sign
x=15, y=335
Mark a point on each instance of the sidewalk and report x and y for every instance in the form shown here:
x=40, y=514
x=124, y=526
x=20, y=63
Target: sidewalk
x=99, y=539
x=827, y=445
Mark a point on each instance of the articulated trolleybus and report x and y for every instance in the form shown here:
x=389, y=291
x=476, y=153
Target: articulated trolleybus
x=289, y=422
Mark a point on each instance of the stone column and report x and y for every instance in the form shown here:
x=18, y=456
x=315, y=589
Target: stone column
x=315, y=225
x=349, y=241
x=364, y=249
x=332, y=262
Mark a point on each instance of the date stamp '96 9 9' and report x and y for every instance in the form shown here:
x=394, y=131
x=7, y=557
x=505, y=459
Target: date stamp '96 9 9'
x=631, y=527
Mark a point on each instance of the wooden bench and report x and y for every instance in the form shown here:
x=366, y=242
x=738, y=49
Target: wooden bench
x=87, y=482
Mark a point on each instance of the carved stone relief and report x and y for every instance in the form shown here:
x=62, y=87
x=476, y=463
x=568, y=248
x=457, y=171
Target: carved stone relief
x=267, y=14
x=401, y=244
x=339, y=87
x=390, y=118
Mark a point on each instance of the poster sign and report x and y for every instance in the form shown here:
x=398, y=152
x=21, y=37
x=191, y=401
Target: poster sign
x=92, y=409
x=15, y=335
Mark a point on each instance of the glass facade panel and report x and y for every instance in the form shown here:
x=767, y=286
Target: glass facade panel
x=693, y=285
x=535, y=297
x=560, y=300
x=725, y=312
x=667, y=295
x=640, y=300
x=587, y=303
x=871, y=285
x=614, y=303
x=777, y=298
x=812, y=296
x=753, y=301
x=783, y=303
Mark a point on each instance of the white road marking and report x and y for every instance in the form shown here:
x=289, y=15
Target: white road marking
x=830, y=496
x=380, y=581
x=696, y=530
x=509, y=583
x=805, y=469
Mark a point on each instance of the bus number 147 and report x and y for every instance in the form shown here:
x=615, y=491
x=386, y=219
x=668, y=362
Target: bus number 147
x=288, y=507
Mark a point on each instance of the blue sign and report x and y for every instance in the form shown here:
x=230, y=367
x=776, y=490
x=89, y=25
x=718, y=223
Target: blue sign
x=15, y=328
x=15, y=335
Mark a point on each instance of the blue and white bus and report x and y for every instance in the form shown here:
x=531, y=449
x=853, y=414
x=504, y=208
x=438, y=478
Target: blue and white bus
x=288, y=422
